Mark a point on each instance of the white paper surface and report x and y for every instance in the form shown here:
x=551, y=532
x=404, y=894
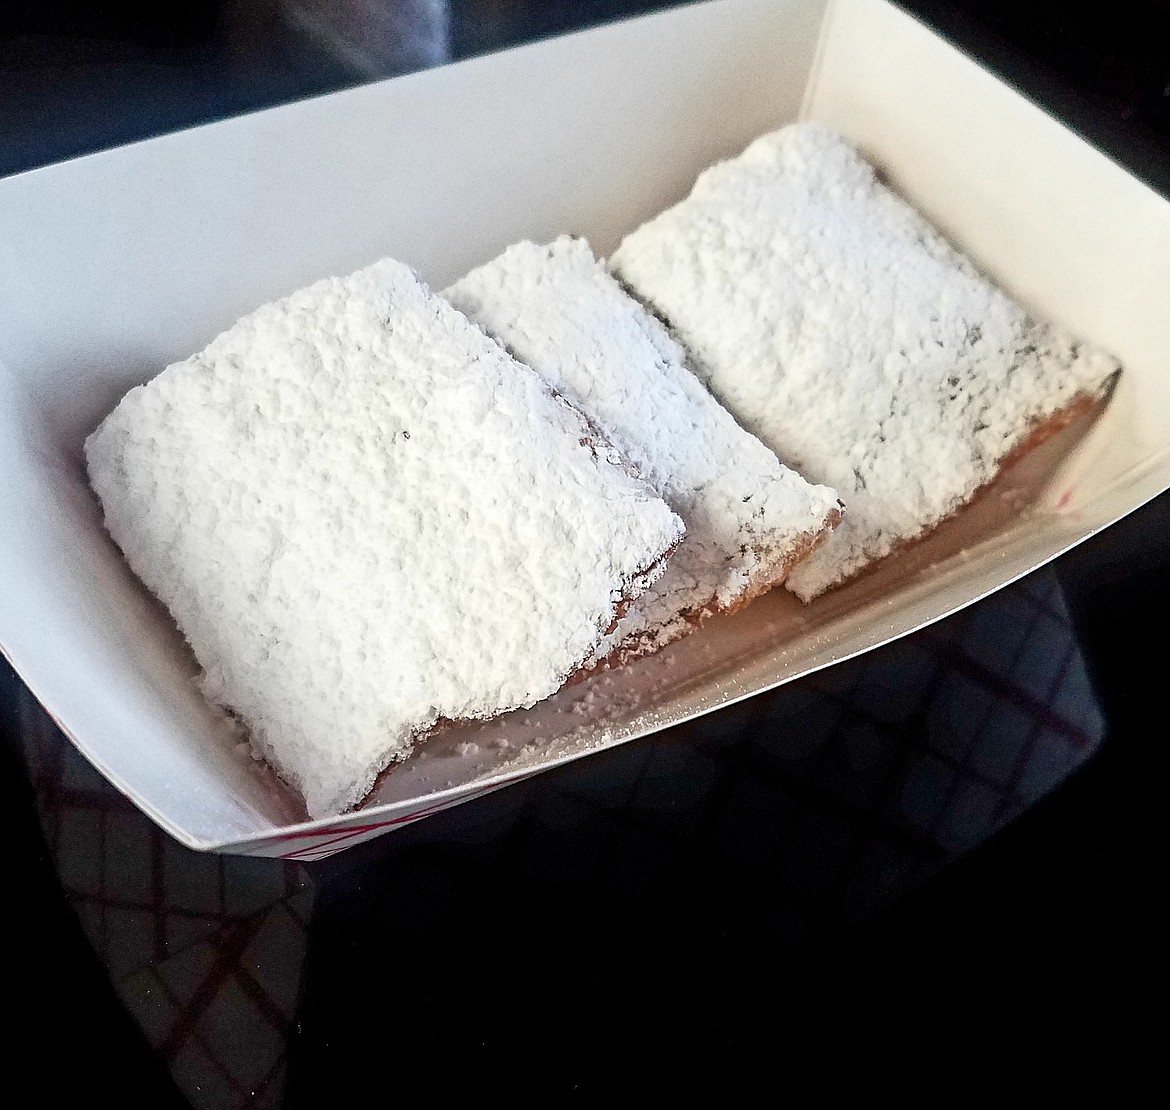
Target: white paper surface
x=114, y=265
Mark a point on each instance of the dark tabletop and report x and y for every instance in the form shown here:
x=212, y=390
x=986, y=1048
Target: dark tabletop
x=947, y=847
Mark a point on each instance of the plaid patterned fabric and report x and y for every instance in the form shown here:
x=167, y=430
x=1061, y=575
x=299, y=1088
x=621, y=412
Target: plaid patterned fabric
x=842, y=791
x=205, y=951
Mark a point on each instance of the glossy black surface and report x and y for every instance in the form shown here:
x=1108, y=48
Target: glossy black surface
x=950, y=841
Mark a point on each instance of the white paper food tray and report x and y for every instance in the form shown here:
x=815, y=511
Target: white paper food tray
x=114, y=265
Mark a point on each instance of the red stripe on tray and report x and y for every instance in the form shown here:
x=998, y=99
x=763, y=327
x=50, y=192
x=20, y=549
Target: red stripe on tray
x=347, y=832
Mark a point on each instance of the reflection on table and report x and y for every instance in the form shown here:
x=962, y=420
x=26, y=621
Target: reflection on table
x=826, y=799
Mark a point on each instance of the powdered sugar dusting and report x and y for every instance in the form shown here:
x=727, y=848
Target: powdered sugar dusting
x=365, y=516
x=842, y=329
x=558, y=310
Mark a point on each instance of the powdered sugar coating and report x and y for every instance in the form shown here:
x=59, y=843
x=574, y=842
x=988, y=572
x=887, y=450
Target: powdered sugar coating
x=843, y=330
x=557, y=309
x=365, y=515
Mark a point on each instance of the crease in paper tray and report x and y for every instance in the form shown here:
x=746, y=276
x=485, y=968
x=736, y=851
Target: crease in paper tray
x=592, y=134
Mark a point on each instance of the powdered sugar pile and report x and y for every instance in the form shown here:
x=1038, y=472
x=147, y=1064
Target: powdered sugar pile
x=839, y=327
x=557, y=309
x=365, y=516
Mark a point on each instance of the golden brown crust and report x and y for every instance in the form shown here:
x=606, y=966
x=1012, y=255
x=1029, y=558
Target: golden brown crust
x=1040, y=432
x=804, y=546
x=573, y=678
x=1081, y=406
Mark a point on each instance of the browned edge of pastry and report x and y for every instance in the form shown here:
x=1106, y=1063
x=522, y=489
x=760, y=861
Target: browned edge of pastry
x=1083, y=404
x=638, y=647
x=571, y=679
x=1040, y=432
